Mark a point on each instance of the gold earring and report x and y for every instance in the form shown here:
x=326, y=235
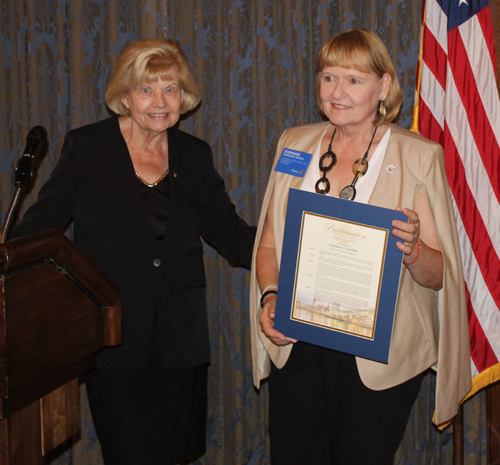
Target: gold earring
x=381, y=109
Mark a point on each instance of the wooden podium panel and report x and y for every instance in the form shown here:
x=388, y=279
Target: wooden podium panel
x=20, y=437
x=58, y=310
x=44, y=335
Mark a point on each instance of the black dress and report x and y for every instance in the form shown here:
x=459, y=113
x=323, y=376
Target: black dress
x=164, y=420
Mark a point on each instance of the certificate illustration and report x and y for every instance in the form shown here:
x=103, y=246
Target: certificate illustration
x=339, y=275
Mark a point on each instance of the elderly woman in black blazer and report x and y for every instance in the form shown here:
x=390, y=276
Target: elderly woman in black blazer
x=140, y=193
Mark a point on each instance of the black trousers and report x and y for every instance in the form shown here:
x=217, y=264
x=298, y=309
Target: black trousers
x=150, y=416
x=321, y=413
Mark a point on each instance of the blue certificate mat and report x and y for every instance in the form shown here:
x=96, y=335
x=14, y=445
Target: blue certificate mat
x=339, y=275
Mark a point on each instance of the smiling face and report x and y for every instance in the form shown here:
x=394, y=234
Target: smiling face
x=350, y=98
x=155, y=106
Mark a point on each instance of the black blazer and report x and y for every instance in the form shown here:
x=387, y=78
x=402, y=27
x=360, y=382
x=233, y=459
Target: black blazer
x=95, y=186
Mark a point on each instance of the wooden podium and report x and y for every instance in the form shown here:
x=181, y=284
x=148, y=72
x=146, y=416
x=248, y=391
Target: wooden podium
x=57, y=310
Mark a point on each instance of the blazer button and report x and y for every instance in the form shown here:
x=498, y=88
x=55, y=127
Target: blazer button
x=157, y=262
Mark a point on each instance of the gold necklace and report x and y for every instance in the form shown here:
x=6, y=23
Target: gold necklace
x=160, y=179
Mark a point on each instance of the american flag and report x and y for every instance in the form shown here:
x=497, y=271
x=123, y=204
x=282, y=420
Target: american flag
x=457, y=105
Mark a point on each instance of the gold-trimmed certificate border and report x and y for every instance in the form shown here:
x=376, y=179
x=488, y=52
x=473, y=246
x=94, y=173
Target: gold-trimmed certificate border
x=376, y=349
x=293, y=309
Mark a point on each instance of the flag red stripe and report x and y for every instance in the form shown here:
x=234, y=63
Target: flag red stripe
x=484, y=18
x=422, y=19
x=480, y=349
x=477, y=118
x=428, y=125
x=478, y=158
x=479, y=238
x=435, y=57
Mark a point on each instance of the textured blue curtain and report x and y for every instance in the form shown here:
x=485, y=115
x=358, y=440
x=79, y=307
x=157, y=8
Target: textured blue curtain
x=255, y=63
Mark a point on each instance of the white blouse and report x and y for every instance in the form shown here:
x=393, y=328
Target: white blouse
x=364, y=184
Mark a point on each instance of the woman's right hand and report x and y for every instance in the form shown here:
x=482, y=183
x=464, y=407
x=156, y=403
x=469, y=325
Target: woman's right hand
x=267, y=276
x=266, y=321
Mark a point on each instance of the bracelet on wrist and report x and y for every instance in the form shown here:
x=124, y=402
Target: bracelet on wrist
x=269, y=287
x=418, y=253
x=265, y=294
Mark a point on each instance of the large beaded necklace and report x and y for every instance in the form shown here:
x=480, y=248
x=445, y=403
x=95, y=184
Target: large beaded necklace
x=359, y=168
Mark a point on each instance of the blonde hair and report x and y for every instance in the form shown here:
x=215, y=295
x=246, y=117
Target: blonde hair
x=146, y=61
x=363, y=51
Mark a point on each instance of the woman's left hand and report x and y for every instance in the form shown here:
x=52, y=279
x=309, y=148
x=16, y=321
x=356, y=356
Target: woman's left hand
x=408, y=233
x=423, y=261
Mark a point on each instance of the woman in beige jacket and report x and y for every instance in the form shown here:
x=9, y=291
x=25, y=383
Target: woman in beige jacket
x=327, y=406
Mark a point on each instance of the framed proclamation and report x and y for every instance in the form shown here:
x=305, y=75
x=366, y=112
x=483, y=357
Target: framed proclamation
x=339, y=274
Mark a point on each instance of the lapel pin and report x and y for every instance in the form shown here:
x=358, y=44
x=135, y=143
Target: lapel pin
x=391, y=169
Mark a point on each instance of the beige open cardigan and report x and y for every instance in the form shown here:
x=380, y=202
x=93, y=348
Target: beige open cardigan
x=430, y=326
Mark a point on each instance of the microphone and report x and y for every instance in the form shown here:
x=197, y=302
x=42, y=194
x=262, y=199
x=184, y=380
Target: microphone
x=35, y=142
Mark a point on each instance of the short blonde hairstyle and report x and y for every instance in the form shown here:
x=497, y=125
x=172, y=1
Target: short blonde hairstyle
x=146, y=61
x=361, y=50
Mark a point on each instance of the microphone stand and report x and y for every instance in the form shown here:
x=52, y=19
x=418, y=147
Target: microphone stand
x=35, y=143
x=10, y=214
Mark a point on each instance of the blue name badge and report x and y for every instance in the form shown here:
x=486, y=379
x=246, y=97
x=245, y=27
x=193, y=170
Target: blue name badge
x=293, y=162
